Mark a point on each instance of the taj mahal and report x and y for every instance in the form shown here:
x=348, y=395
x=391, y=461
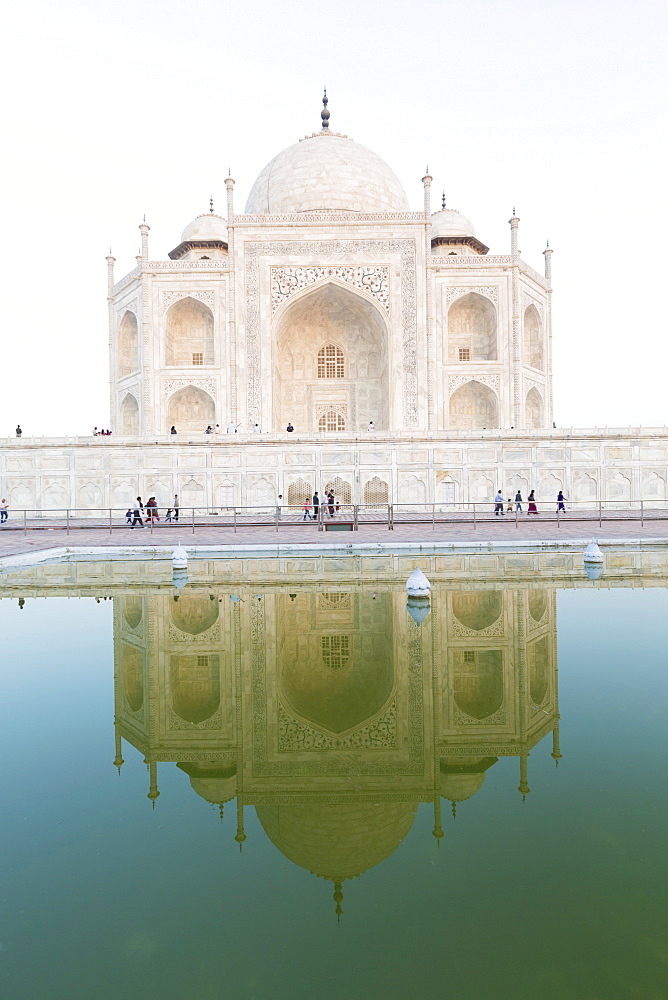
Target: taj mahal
x=414, y=366
x=330, y=305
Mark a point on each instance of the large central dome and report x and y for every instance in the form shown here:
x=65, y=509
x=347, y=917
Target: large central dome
x=326, y=173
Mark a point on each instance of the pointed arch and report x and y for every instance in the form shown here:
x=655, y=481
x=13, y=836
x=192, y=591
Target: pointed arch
x=190, y=410
x=331, y=345
x=534, y=410
x=533, y=338
x=478, y=681
x=472, y=328
x=195, y=686
x=376, y=491
x=474, y=406
x=128, y=345
x=130, y=415
x=189, y=333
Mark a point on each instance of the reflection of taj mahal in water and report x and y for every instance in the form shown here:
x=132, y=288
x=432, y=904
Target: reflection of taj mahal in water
x=333, y=714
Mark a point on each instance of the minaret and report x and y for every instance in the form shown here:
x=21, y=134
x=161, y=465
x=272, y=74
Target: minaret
x=110, y=274
x=547, y=253
x=437, y=832
x=429, y=277
x=118, y=762
x=515, y=347
x=232, y=312
x=153, y=792
x=144, y=239
x=241, y=836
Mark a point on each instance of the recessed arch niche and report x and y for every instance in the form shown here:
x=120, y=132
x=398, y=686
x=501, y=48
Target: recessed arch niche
x=194, y=615
x=191, y=410
x=474, y=406
x=189, y=333
x=478, y=681
x=472, y=328
x=538, y=658
x=128, y=345
x=129, y=415
x=533, y=338
x=305, y=385
x=477, y=609
x=336, y=674
x=534, y=409
x=195, y=685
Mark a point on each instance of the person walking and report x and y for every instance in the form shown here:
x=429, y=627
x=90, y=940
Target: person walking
x=330, y=503
x=137, y=509
x=370, y=427
x=307, y=510
x=532, y=509
x=509, y=506
x=128, y=517
x=19, y=432
x=279, y=504
x=168, y=515
x=289, y=428
x=561, y=502
x=4, y=510
x=518, y=501
x=175, y=506
x=256, y=429
x=316, y=505
x=498, y=503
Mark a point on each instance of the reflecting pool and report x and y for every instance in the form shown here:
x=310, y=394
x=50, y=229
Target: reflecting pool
x=265, y=785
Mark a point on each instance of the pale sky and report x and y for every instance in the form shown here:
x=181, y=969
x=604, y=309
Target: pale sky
x=111, y=111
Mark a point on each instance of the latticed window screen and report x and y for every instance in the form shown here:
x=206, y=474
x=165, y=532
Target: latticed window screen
x=376, y=491
x=198, y=358
x=331, y=421
x=298, y=492
x=464, y=353
x=335, y=601
x=340, y=489
x=469, y=656
x=335, y=650
x=202, y=661
x=330, y=362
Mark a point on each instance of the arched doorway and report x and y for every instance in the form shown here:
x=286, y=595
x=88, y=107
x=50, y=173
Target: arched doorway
x=191, y=410
x=129, y=415
x=534, y=410
x=473, y=407
x=128, y=345
x=189, y=339
x=331, y=356
x=472, y=329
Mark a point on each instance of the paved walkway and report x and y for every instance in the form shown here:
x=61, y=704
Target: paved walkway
x=13, y=540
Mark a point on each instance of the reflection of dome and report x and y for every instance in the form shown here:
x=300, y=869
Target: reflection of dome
x=206, y=227
x=462, y=777
x=337, y=840
x=214, y=783
x=324, y=173
x=448, y=222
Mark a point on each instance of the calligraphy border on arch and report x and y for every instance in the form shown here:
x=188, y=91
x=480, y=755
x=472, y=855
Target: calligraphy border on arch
x=407, y=250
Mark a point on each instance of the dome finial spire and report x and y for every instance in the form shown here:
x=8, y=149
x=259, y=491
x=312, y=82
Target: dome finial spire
x=443, y=202
x=211, y=204
x=324, y=114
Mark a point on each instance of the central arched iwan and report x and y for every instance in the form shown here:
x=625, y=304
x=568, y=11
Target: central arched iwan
x=331, y=350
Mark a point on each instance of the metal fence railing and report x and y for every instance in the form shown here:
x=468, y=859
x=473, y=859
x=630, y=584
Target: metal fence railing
x=339, y=516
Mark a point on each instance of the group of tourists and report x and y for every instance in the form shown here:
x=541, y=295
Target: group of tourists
x=499, y=503
x=100, y=432
x=311, y=506
x=142, y=514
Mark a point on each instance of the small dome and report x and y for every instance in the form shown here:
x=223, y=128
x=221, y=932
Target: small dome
x=326, y=173
x=215, y=783
x=458, y=787
x=449, y=222
x=206, y=227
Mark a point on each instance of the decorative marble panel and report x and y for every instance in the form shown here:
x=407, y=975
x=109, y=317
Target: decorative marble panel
x=374, y=280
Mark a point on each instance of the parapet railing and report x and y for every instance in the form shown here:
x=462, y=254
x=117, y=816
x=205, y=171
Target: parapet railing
x=339, y=516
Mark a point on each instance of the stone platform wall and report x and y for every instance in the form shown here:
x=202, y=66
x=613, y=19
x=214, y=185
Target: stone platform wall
x=86, y=473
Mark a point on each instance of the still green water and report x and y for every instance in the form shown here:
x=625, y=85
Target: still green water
x=336, y=738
